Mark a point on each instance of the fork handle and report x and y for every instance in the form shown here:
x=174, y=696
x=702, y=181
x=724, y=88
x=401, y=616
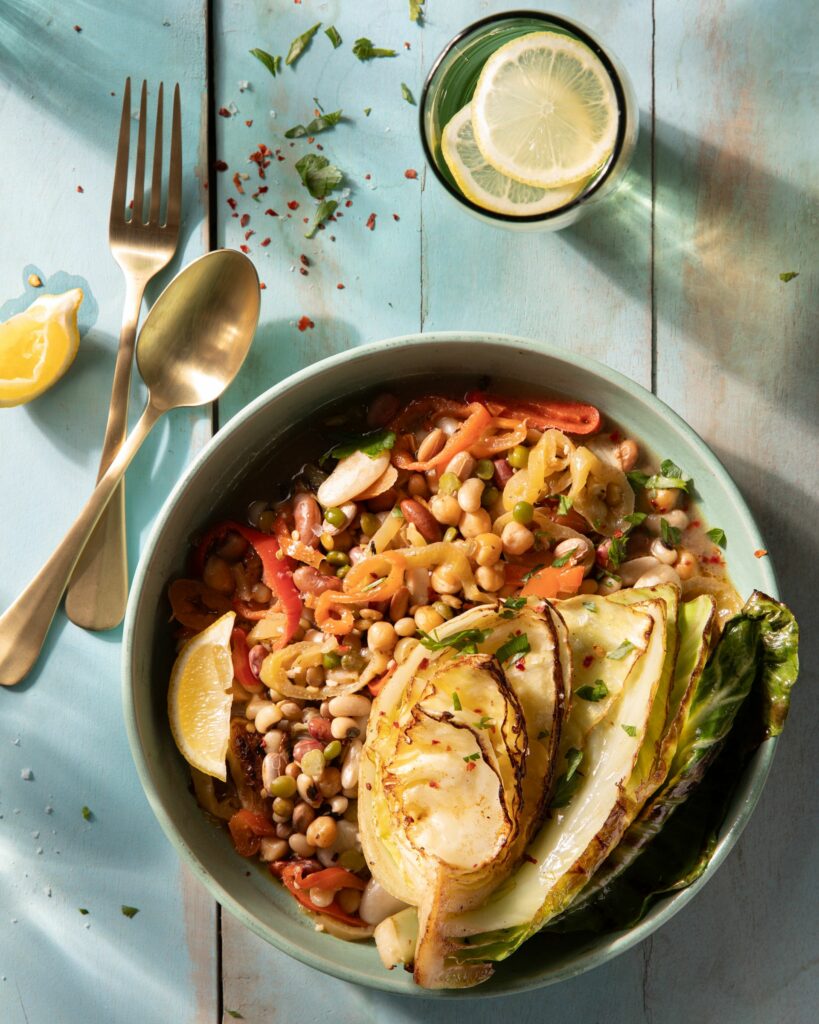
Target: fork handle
x=24, y=626
x=98, y=591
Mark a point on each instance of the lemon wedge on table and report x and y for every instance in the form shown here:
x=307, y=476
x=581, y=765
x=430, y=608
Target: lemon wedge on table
x=487, y=187
x=199, y=698
x=37, y=346
x=544, y=110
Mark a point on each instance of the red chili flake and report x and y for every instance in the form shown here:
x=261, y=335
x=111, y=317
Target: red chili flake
x=248, y=233
x=434, y=784
x=78, y=28
x=407, y=46
x=305, y=219
x=370, y=222
x=231, y=202
x=471, y=766
x=245, y=248
x=260, y=191
x=271, y=213
x=395, y=217
x=234, y=215
x=617, y=533
x=311, y=138
x=424, y=663
x=695, y=523
x=332, y=238
x=224, y=112
x=349, y=202
x=340, y=286
x=304, y=323
x=280, y=159
x=520, y=665
x=237, y=181
x=303, y=272
x=410, y=173
x=367, y=177
x=245, y=219
x=320, y=147
x=436, y=743
x=760, y=553
x=304, y=261
x=292, y=205
x=220, y=165
x=529, y=858
x=249, y=123
x=265, y=242
x=615, y=436
x=204, y=184
x=262, y=285
x=588, y=660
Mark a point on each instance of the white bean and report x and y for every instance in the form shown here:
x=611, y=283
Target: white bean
x=676, y=518
x=661, y=574
x=344, y=727
x=351, y=705
x=267, y=717
x=272, y=741
x=349, y=767
x=662, y=552
x=273, y=849
x=254, y=706
x=629, y=572
x=377, y=904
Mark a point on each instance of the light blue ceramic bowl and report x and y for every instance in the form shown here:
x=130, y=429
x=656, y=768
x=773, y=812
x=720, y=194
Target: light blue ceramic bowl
x=218, y=471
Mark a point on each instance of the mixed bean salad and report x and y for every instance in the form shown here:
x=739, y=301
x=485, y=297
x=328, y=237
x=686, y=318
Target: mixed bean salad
x=417, y=510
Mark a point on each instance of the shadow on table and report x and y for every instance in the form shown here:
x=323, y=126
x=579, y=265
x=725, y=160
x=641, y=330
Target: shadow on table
x=723, y=230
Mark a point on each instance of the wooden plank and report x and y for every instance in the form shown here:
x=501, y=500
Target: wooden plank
x=736, y=356
x=60, y=95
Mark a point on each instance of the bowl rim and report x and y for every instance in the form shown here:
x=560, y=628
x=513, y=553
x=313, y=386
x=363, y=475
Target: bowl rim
x=586, y=37
x=746, y=795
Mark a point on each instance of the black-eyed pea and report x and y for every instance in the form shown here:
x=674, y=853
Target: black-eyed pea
x=350, y=705
x=344, y=728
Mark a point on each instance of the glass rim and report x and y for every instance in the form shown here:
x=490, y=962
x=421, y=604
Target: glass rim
x=619, y=91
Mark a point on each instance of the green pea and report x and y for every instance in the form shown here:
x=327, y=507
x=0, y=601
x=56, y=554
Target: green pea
x=518, y=457
x=335, y=517
x=451, y=534
x=338, y=558
x=283, y=807
x=352, y=662
x=485, y=469
x=443, y=610
x=490, y=496
x=369, y=523
x=342, y=571
x=332, y=750
x=331, y=660
x=283, y=787
x=449, y=483
x=523, y=512
x=352, y=860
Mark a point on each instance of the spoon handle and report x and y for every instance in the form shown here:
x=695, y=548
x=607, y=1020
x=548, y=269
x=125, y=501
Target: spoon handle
x=24, y=626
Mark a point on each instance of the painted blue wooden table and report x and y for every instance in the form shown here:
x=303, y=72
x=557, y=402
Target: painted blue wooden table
x=676, y=284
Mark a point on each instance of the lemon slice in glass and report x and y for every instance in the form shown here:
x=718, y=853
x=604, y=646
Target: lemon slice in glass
x=199, y=698
x=37, y=346
x=544, y=110
x=487, y=187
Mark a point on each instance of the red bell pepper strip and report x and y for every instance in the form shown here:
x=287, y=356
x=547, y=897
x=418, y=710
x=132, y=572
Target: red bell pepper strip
x=551, y=582
x=331, y=878
x=277, y=573
x=571, y=417
x=247, y=829
x=240, y=653
x=291, y=875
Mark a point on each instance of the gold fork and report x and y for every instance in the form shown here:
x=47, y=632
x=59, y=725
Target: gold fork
x=98, y=591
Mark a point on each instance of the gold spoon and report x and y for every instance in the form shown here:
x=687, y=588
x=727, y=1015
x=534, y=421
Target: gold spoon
x=189, y=350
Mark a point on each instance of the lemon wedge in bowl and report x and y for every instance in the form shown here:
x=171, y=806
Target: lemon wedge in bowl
x=545, y=111
x=199, y=698
x=37, y=346
x=481, y=183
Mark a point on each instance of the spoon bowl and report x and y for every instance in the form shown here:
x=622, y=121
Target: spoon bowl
x=199, y=330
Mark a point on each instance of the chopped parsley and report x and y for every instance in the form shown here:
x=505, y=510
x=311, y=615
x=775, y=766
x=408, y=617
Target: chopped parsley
x=590, y=606
x=130, y=911
x=407, y=93
x=87, y=813
x=472, y=757
x=671, y=535
x=511, y=605
x=456, y=701
x=318, y=124
x=532, y=572
x=630, y=729
x=83, y=910
x=564, y=505
x=568, y=782
x=465, y=640
x=514, y=645
x=333, y=36
x=235, y=1014
x=717, y=536
x=318, y=175
x=370, y=444
x=558, y=563
x=300, y=44
x=635, y=519
x=397, y=513
x=617, y=550
x=367, y=111
x=593, y=692
x=326, y=208
x=363, y=49
x=670, y=477
x=415, y=12
x=626, y=647
x=637, y=479
x=484, y=722
x=543, y=734
x=273, y=64
x=788, y=275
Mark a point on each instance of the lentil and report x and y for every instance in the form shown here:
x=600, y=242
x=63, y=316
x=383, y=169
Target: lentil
x=333, y=748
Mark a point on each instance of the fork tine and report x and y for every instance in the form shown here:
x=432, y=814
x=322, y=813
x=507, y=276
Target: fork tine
x=139, y=173
x=156, y=178
x=121, y=171
x=175, y=172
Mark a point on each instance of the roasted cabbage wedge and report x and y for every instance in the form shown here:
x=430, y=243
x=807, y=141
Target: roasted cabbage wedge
x=456, y=770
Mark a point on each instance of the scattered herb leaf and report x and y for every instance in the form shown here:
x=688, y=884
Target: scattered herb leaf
x=235, y=1014
x=130, y=911
x=273, y=64
x=318, y=124
x=590, y=606
x=300, y=44
x=367, y=111
x=397, y=513
x=83, y=910
x=637, y=479
x=465, y=640
x=407, y=93
x=670, y=477
x=472, y=757
x=717, y=536
x=363, y=49
x=558, y=563
x=593, y=692
x=326, y=208
x=456, y=700
x=564, y=505
x=370, y=444
x=513, y=646
x=333, y=36
x=788, y=275
x=617, y=551
x=626, y=647
x=415, y=11
x=635, y=519
x=484, y=722
x=318, y=175
x=532, y=572
x=670, y=535
x=630, y=729
x=568, y=782
x=87, y=813
x=511, y=605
